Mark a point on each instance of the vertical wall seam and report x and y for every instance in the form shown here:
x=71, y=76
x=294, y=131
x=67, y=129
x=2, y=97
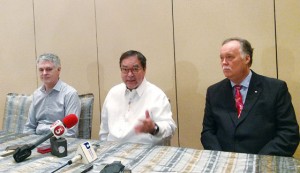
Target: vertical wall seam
x=175, y=73
x=276, y=48
x=34, y=37
x=97, y=49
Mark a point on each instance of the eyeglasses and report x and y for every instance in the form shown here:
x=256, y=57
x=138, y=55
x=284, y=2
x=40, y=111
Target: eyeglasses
x=133, y=70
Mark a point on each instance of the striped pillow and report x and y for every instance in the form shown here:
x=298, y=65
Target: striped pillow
x=16, y=112
x=86, y=116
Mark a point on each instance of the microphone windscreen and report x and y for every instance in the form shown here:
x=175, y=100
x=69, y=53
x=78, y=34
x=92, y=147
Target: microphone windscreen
x=70, y=120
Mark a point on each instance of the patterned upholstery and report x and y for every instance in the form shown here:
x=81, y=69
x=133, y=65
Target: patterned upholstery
x=86, y=116
x=17, y=107
x=16, y=112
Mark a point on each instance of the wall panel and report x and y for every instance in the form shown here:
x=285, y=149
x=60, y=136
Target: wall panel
x=17, y=55
x=200, y=27
x=288, y=42
x=90, y=35
x=140, y=25
x=67, y=28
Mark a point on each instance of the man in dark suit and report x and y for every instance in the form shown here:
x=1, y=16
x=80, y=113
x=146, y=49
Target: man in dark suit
x=265, y=121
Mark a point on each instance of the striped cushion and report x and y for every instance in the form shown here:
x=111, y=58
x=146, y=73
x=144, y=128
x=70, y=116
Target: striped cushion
x=16, y=112
x=86, y=116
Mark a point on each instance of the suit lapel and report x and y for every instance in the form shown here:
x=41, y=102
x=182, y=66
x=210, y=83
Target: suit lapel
x=254, y=91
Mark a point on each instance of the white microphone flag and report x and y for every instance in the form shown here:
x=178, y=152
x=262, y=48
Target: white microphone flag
x=87, y=152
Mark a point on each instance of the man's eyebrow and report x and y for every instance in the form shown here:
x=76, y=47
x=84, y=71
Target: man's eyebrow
x=46, y=68
x=135, y=65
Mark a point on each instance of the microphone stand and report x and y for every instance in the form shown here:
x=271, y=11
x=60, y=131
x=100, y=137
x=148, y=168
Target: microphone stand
x=60, y=167
x=49, y=135
x=74, y=159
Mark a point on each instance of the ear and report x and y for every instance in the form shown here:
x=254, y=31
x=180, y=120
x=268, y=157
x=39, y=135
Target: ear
x=247, y=59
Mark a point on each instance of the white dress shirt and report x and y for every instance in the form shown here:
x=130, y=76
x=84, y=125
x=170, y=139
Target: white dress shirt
x=123, y=109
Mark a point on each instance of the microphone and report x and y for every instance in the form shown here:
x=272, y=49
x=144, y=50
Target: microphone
x=58, y=143
x=57, y=129
x=85, y=153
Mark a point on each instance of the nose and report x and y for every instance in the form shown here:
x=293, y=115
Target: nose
x=44, y=72
x=130, y=73
x=223, y=61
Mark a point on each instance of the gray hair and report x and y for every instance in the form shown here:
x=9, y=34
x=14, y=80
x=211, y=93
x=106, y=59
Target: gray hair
x=245, y=48
x=49, y=57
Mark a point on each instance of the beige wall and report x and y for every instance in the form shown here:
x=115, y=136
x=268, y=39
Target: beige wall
x=17, y=49
x=181, y=40
x=68, y=29
x=288, y=42
x=200, y=27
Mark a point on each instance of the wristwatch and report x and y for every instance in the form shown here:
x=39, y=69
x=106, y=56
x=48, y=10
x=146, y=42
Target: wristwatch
x=156, y=129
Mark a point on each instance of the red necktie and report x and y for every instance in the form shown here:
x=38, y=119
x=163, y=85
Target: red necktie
x=238, y=99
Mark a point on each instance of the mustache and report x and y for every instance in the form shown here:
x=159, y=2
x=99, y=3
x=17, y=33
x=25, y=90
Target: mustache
x=226, y=68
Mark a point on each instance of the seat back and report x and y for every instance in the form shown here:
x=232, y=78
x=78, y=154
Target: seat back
x=167, y=141
x=86, y=116
x=16, y=112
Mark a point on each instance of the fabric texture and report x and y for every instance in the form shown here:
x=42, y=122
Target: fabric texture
x=86, y=116
x=17, y=108
x=48, y=107
x=139, y=158
x=16, y=112
x=123, y=109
